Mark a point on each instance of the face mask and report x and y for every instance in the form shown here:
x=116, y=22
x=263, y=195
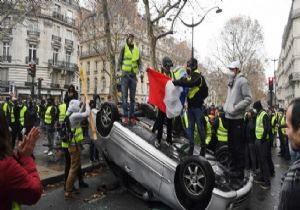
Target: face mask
x=231, y=73
x=255, y=111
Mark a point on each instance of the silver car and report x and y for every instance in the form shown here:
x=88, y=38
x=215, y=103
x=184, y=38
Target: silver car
x=166, y=174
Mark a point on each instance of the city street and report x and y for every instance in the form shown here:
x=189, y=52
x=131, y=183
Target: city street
x=121, y=199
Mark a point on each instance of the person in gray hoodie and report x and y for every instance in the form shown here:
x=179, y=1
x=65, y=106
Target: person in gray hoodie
x=238, y=99
x=76, y=116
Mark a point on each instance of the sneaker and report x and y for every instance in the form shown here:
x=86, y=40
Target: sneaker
x=125, y=121
x=46, y=151
x=265, y=186
x=132, y=120
x=50, y=153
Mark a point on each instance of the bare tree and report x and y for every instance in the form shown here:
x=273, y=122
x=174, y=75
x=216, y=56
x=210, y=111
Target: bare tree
x=13, y=12
x=163, y=10
x=242, y=39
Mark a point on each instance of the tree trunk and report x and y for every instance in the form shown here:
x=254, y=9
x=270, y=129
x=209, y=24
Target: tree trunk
x=110, y=53
x=150, y=34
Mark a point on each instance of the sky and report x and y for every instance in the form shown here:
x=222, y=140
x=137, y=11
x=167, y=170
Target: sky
x=271, y=14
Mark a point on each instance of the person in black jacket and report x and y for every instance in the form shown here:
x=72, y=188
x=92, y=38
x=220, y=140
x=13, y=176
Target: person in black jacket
x=167, y=63
x=70, y=95
x=195, y=98
x=262, y=129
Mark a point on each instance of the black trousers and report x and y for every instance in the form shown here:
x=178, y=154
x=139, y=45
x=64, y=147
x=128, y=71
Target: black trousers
x=68, y=165
x=160, y=126
x=236, y=146
x=262, y=148
x=250, y=156
x=14, y=133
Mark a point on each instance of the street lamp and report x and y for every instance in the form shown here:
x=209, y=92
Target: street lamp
x=193, y=25
x=274, y=77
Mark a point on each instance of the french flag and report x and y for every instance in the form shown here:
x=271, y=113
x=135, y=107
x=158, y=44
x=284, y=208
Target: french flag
x=163, y=93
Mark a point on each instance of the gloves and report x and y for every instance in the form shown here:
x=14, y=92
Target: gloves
x=23, y=131
x=175, y=82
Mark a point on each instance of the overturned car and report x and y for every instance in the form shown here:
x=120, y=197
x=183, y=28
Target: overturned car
x=166, y=174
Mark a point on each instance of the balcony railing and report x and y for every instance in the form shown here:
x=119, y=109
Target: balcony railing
x=5, y=59
x=5, y=30
x=4, y=83
x=56, y=38
x=89, y=53
x=295, y=76
x=69, y=42
x=63, y=18
x=33, y=33
x=54, y=85
x=63, y=65
x=27, y=60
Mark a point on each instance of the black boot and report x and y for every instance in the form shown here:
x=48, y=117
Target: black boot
x=203, y=150
x=82, y=184
x=191, y=150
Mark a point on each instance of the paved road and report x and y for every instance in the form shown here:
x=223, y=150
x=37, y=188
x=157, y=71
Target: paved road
x=121, y=199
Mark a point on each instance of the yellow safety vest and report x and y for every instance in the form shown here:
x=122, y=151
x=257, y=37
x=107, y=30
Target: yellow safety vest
x=48, y=117
x=274, y=126
x=222, y=132
x=62, y=112
x=178, y=72
x=208, y=131
x=282, y=123
x=12, y=114
x=259, y=129
x=5, y=108
x=15, y=206
x=38, y=110
x=130, y=59
x=78, y=135
x=194, y=90
x=22, y=115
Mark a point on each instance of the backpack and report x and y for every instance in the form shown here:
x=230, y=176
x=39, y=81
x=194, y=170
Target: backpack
x=203, y=89
x=66, y=133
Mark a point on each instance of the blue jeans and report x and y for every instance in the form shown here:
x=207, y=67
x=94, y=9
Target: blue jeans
x=128, y=82
x=196, y=115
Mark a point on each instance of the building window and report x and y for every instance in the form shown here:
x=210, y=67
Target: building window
x=69, y=34
x=3, y=74
x=55, y=56
x=96, y=66
x=103, y=84
x=56, y=30
x=33, y=26
x=57, y=8
x=68, y=57
x=88, y=84
x=95, y=84
x=88, y=66
x=32, y=52
x=5, y=49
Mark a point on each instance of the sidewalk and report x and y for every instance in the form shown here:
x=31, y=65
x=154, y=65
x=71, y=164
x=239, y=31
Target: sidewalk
x=51, y=168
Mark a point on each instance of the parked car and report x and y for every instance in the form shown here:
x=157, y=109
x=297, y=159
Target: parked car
x=167, y=173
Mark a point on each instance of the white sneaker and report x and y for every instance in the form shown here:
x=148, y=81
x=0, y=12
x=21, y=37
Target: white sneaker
x=46, y=151
x=50, y=153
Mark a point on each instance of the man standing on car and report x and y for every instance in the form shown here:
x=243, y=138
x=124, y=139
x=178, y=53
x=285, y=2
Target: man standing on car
x=238, y=99
x=167, y=63
x=197, y=93
x=130, y=63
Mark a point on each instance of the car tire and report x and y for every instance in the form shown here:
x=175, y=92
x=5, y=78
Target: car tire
x=106, y=117
x=196, y=181
x=223, y=156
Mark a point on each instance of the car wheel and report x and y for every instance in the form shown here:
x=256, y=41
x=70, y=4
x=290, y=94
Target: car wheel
x=223, y=156
x=106, y=117
x=196, y=182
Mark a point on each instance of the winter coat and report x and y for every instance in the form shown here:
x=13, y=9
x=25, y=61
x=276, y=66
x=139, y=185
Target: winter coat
x=238, y=97
x=19, y=182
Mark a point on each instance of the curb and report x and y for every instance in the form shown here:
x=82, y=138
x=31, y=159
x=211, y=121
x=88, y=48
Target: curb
x=60, y=176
